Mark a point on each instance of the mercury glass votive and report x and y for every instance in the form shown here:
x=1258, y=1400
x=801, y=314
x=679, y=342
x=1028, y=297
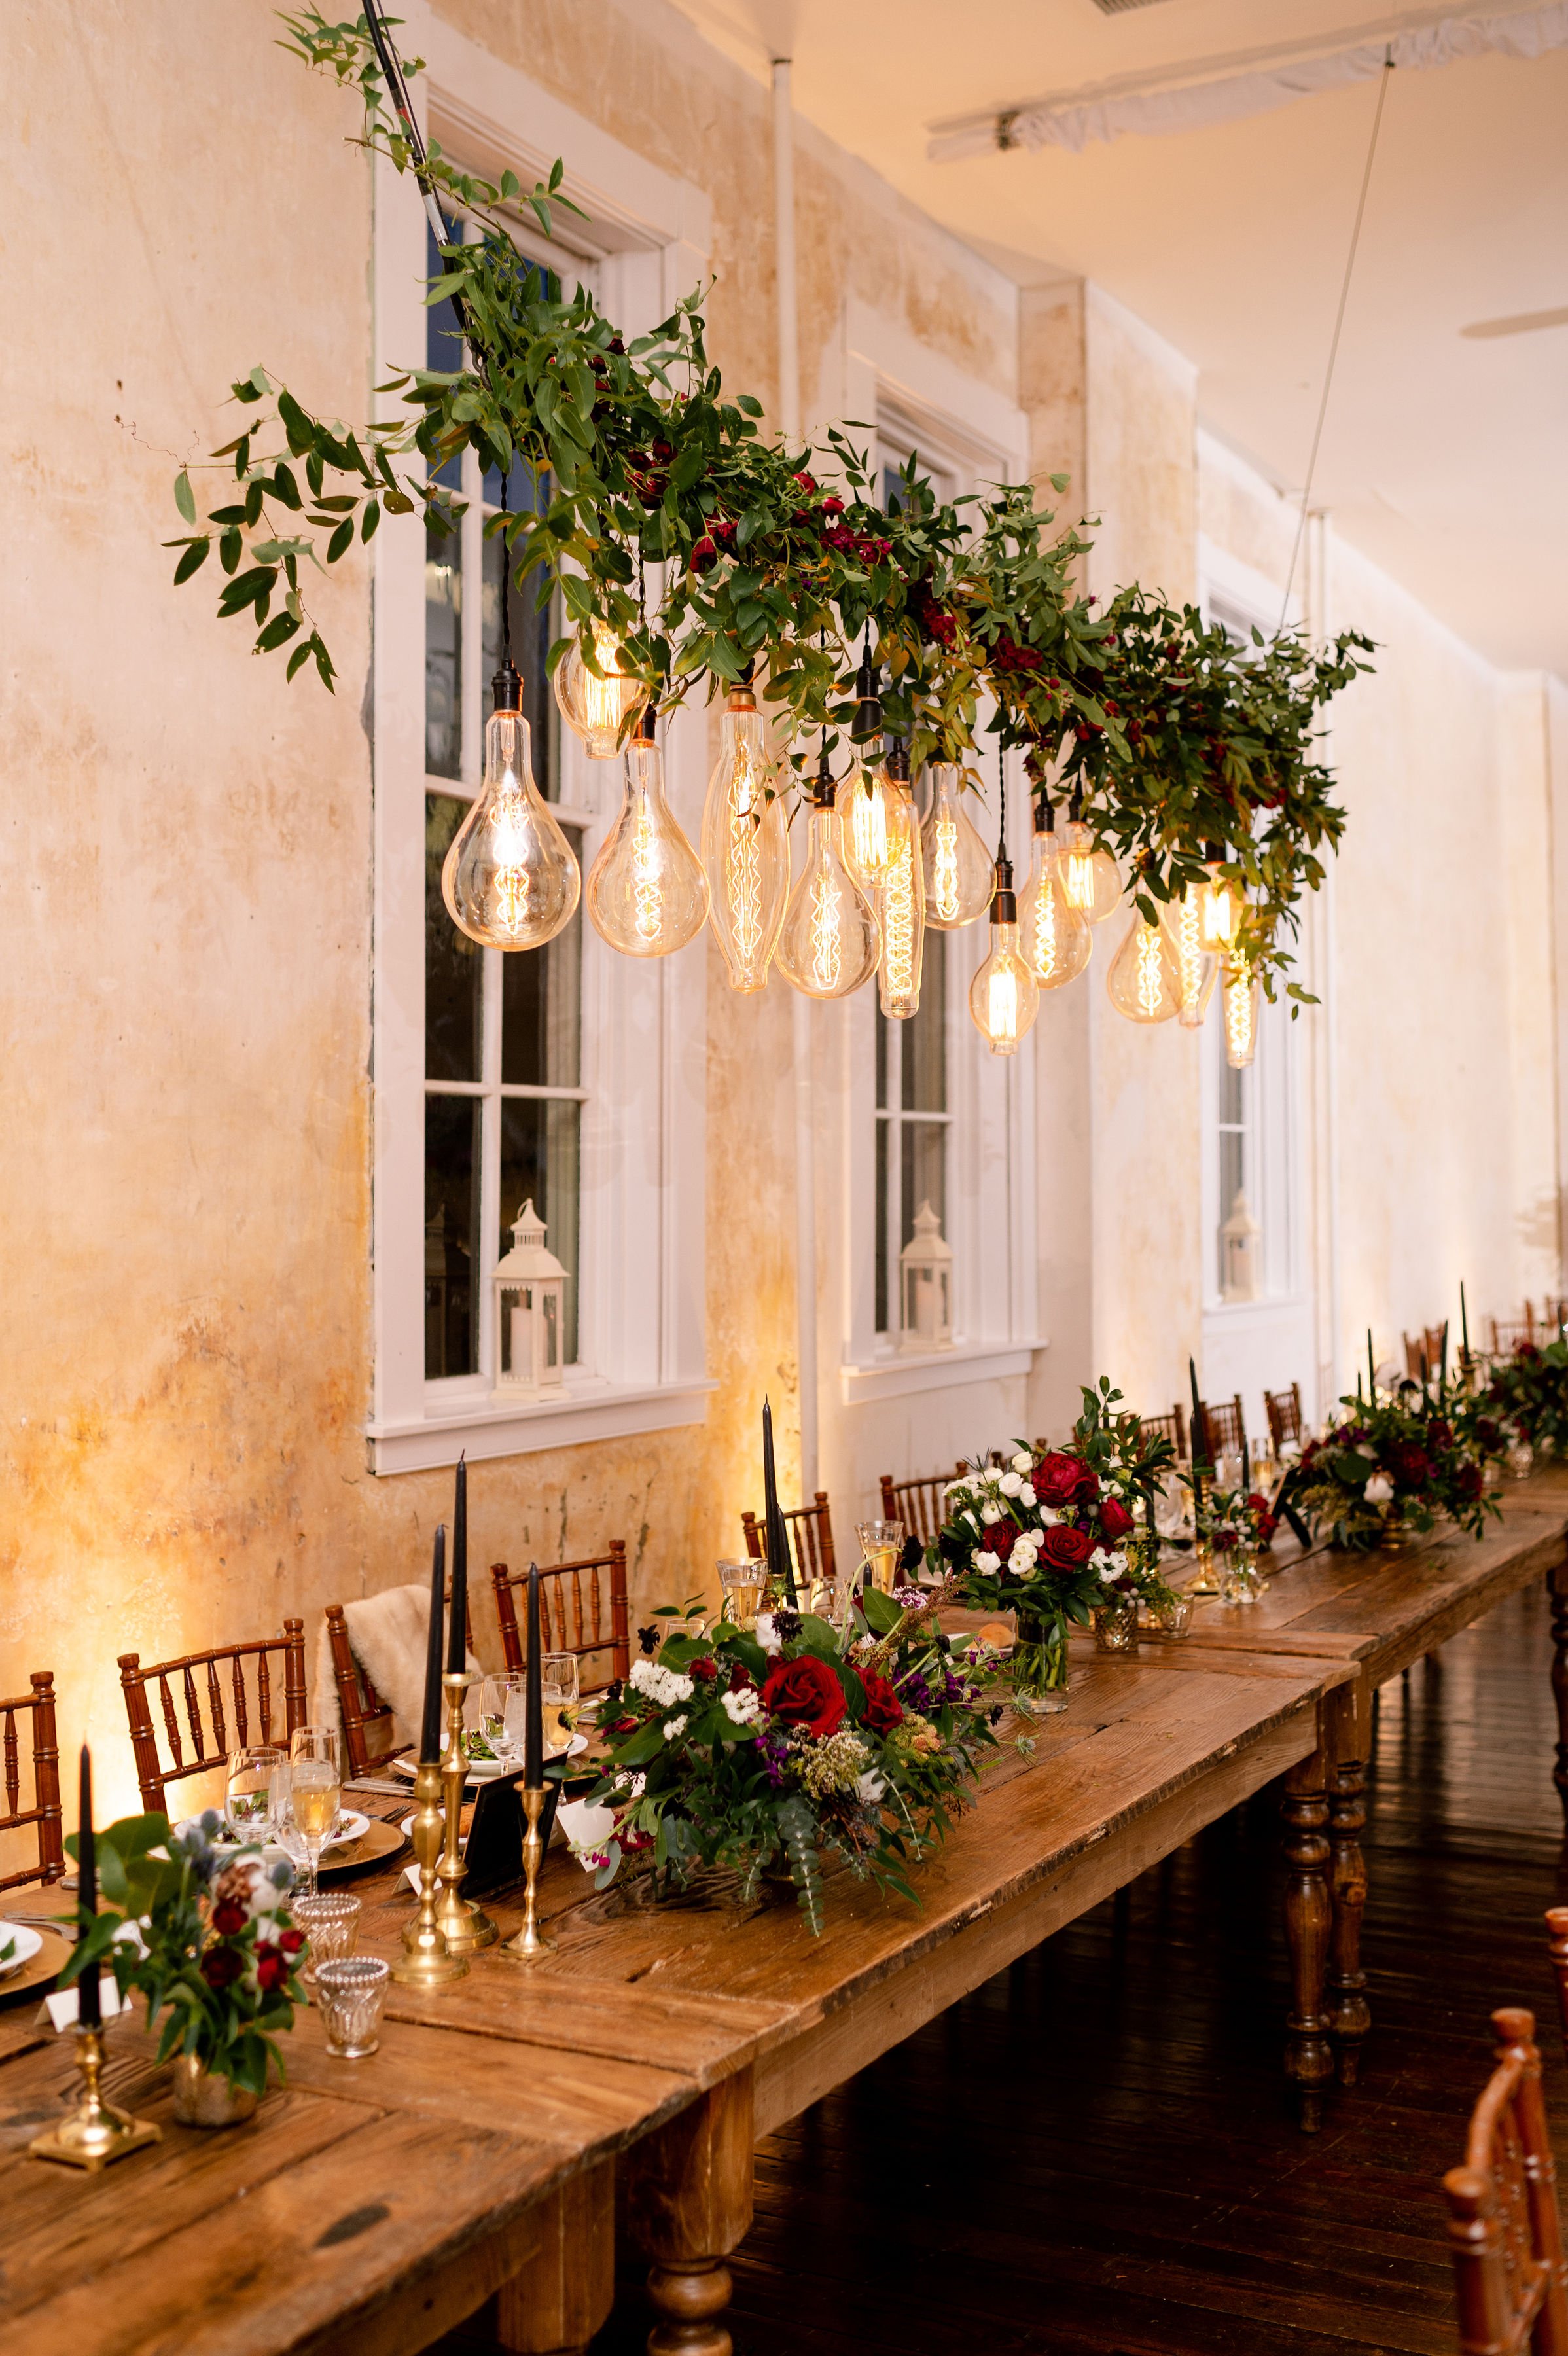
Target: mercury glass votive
x=331, y=1921
x=351, y=1991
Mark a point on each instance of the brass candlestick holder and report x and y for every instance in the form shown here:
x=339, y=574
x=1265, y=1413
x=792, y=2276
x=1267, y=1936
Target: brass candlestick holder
x=465, y=1926
x=96, y=2132
x=531, y=1941
x=427, y=1961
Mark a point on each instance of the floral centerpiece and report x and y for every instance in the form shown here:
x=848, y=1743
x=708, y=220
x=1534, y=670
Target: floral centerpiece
x=203, y=1934
x=1053, y=1535
x=1390, y=1467
x=761, y=1748
x=1523, y=1403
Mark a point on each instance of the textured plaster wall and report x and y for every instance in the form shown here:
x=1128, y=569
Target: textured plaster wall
x=186, y=892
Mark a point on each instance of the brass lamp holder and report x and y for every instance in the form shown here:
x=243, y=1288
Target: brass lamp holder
x=428, y=1962
x=95, y=2134
x=531, y=1942
x=465, y=1926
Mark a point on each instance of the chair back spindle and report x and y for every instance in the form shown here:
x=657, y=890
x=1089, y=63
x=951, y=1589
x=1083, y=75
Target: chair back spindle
x=210, y=1742
x=1505, y=2233
x=1284, y=1412
x=1172, y=1427
x=810, y=1531
x=1223, y=1431
x=27, y=1724
x=582, y=1609
x=920, y=1504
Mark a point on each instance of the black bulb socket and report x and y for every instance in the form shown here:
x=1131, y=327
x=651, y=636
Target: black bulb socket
x=506, y=689
x=867, y=720
x=646, y=730
x=1005, y=905
x=897, y=762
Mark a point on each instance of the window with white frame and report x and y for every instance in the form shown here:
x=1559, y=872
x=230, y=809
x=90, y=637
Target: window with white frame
x=913, y=1123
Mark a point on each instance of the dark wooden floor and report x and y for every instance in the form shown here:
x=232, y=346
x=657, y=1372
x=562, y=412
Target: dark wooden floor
x=1093, y=2151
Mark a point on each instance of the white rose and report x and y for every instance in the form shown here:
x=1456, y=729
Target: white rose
x=987, y=1562
x=1050, y=1516
x=1022, y=1462
x=674, y=1726
x=1379, y=1490
x=1010, y=1484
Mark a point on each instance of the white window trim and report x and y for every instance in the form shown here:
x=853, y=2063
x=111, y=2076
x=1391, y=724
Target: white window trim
x=976, y=435
x=642, y=1316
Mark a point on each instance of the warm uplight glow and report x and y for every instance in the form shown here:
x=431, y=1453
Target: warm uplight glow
x=902, y=905
x=1054, y=940
x=647, y=893
x=1090, y=883
x=830, y=940
x=745, y=847
x=1142, y=980
x=601, y=705
x=958, y=874
x=509, y=880
x=1240, y=1016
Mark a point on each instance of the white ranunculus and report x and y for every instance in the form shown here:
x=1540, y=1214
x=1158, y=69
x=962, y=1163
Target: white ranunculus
x=990, y=1512
x=1022, y=1557
x=1010, y=1484
x=1050, y=1516
x=1023, y=1461
x=1379, y=1490
x=987, y=1562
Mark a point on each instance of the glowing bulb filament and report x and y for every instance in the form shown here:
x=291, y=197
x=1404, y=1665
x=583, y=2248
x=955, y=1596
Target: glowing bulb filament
x=1151, y=985
x=944, y=870
x=1045, y=943
x=827, y=956
x=898, y=921
x=647, y=897
x=1079, y=884
x=602, y=697
x=869, y=829
x=1189, y=950
x=745, y=860
x=1239, y=1021
x=1219, y=915
x=1002, y=1025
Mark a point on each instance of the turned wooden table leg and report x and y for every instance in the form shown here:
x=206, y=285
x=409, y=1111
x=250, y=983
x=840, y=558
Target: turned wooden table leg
x=1557, y=1589
x=1350, y=2015
x=1309, y=2056
x=565, y=2293
x=689, y=2204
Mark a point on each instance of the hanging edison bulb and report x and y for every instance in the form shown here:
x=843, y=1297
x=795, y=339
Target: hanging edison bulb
x=601, y=705
x=831, y=941
x=1054, y=940
x=1240, y=1003
x=1196, y=967
x=1142, y=979
x=863, y=799
x=958, y=875
x=901, y=898
x=509, y=880
x=1091, y=881
x=646, y=892
x=1004, y=998
x=745, y=847
x=1219, y=902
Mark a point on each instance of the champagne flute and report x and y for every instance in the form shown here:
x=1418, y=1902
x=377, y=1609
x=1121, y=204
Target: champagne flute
x=558, y=1694
x=882, y=1544
x=316, y=1789
x=744, y=1585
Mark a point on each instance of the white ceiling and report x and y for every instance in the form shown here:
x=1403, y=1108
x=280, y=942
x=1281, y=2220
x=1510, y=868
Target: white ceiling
x=1445, y=456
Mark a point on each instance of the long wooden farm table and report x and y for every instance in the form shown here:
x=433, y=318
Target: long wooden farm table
x=470, y=2165
x=1376, y=1613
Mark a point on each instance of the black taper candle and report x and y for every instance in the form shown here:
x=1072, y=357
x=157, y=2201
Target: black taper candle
x=534, y=1729
x=1442, y=1365
x=1463, y=1326
x=430, y=1723
x=1246, y=1466
x=89, y=2003
x=1197, y=1450
x=1371, y=1372
x=458, y=1625
x=780, y=1561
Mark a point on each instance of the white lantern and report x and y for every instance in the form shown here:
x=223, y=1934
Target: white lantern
x=531, y=1314
x=1239, y=1246
x=925, y=1266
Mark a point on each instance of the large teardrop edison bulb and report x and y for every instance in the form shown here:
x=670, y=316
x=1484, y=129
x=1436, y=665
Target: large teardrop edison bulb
x=1003, y=998
x=830, y=940
x=745, y=847
x=599, y=706
x=509, y=880
x=1090, y=880
x=959, y=877
x=1142, y=979
x=863, y=800
x=1055, y=940
x=646, y=892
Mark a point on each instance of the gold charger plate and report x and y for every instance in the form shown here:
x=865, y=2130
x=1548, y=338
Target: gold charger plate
x=39, y=1975
x=375, y=1845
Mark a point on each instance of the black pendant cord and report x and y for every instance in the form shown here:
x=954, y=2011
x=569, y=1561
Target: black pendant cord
x=1001, y=799
x=506, y=583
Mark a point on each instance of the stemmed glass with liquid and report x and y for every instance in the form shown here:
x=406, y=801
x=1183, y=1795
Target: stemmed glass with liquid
x=315, y=1789
x=882, y=1544
x=558, y=1693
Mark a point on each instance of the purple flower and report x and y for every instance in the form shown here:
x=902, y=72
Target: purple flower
x=914, y=1693
x=774, y=1753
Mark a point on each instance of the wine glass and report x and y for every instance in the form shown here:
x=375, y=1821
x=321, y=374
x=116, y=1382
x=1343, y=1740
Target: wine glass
x=882, y=1544
x=744, y=1585
x=315, y=1790
x=250, y=1799
x=514, y=1714
x=558, y=1695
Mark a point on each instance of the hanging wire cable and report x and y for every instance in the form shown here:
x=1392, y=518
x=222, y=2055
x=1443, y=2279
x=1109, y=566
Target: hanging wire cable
x=1338, y=324
x=1001, y=798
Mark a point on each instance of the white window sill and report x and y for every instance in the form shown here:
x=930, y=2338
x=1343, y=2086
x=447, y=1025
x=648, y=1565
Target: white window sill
x=485, y=1428
x=897, y=1374
x=1261, y=1312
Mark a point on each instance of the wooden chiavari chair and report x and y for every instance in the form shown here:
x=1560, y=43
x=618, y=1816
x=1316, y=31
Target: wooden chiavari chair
x=223, y=1735
x=1509, y=1333
x=1172, y=1427
x=45, y=1812
x=1504, y=2229
x=1284, y=1412
x=582, y=1609
x=369, y=1732
x=922, y=1505
x=1224, y=1429
x=811, y=1533
x=1428, y=1346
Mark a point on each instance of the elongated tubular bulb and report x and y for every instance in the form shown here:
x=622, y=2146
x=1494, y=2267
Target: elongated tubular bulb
x=509, y=880
x=1220, y=902
x=1241, y=1001
x=1143, y=983
x=959, y=875
x=831, y=941
x=901, y=900
x=646, y=892
x=599, y=706
x=1090, y=883
x=1054, y=940
x=746, y=846
x=1195, y=967
x=1003, y=998
x=863, y=804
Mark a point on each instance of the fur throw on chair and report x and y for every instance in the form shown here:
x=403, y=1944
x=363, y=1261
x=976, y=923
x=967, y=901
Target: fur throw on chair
x=388, y=1634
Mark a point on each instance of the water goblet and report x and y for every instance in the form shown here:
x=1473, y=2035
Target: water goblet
x=315, y=1789
x=514, y=1715
x=250, y=1800
x=558, y=1694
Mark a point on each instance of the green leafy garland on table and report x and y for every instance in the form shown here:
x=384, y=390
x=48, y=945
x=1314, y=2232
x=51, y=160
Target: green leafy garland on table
x=689, y=545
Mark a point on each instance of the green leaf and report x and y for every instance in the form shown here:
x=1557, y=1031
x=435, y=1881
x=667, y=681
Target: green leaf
x=193, y=559
x=184, y=497
x=343, y=538
x=370, y=519
x=300, y=656
x=882, y=1614
x=279, y=630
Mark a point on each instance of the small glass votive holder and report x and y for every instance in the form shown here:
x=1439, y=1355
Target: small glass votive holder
x=1174, y=1619
x=331, y=1921
x=351, y=1991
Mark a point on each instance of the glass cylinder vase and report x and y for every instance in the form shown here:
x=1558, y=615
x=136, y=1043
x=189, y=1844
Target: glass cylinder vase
x=1039, y=1666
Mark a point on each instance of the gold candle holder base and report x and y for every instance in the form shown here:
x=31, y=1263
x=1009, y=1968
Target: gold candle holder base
x=96, y=2134
x=428, y=1962
x=465, y=1926
x=531, y=1942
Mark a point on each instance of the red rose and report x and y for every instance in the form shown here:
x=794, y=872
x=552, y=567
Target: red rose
x=1439, y=1435
x=704, y=556
x=221, y=1966
x=1056, y=1479
x=1411, y=1466
x=807, y=482
x=1468, y=1484
x=832, y=506
x=707, y=1670
x=1066, y=1549
x=271, y=1969
x=739, y=1677
x=884, y=1710
x=290, y=1942
x=805, y=1692
x=228, y=1917
x=1115, y=1521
